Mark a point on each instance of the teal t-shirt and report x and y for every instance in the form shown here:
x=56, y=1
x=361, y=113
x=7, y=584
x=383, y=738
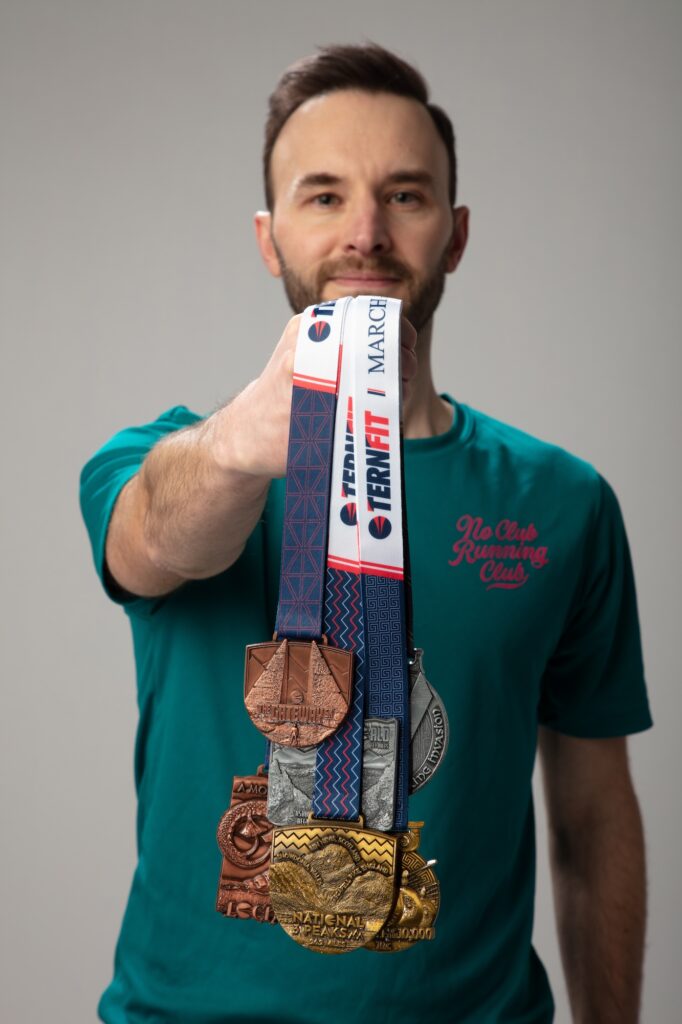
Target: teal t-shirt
x=524, y=604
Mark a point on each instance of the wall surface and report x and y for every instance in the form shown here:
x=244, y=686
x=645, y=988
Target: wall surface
x=130, y=281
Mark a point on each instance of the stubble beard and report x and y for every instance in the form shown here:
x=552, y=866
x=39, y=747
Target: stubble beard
x=419, y=304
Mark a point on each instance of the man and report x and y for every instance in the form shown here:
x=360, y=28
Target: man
x=523, y=601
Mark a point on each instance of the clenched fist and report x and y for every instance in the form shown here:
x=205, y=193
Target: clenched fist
x=253, y=434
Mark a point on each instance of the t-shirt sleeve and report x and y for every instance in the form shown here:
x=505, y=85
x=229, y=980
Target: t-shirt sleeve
x=105, y=474
x=594, y=683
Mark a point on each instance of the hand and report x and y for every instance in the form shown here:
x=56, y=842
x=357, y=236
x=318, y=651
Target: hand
x=254, y=432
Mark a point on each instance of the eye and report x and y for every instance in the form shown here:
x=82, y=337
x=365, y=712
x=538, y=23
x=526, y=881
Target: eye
x=405, y=198
x=325, y=199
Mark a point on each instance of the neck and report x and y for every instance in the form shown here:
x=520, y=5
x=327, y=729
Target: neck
x=425, y=413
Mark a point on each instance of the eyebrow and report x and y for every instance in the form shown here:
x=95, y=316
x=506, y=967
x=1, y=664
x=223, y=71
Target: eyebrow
x=408, y=176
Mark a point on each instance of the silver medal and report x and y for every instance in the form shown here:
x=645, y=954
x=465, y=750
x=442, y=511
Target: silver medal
x=290, y=784
x=429, y=726
x=292, y=776
x=379, y=768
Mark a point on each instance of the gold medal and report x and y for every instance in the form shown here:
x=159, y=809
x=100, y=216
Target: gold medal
x=332, y=883
x=418, y=900
x=297, y=692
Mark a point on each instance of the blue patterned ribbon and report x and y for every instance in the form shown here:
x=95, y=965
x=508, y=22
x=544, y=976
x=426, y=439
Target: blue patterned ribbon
x=309, y=460
x=338, y=764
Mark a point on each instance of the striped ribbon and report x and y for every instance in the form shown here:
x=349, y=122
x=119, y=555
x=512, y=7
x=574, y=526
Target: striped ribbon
x=338, y=763
x=365, y=592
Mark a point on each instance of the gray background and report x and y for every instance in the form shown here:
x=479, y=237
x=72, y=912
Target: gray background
x=130, y=281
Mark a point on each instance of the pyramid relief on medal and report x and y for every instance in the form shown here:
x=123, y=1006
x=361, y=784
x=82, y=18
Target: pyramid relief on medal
x=297, y=692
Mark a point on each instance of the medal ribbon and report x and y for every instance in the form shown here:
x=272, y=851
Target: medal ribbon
x=365, y=598
x=377, y=405
x=338, y=763
x=309, y=459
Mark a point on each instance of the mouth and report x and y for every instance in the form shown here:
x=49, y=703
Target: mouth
x=357, y=280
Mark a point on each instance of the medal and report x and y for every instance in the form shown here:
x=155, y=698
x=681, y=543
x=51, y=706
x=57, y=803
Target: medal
x=297, y=693
x=352, y=726
x=290, y=788
x=297, y=688
x=292, y=775
x=332, y=884
x=244, y=837
x=418, y=902
x=332, y=881
x=379, y=772
x=429, y=723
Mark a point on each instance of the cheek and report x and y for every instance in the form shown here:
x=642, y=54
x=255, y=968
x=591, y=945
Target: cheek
x=425, y=243
x=301, y=241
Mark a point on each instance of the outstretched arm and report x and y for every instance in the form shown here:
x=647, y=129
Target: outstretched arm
x=188, y=512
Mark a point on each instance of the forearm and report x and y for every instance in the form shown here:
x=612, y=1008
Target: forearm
x=198, y=508
x=190, y=509
x=600, y=898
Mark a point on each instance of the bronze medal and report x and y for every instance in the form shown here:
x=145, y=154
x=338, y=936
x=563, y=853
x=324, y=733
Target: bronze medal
x=245, y=837
x=297, y=692
x=332, y=884
x=418, y=899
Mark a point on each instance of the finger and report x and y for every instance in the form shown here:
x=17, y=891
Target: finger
x=408, y=364
x=408, y=335
x=291, y=330
x=282, y=358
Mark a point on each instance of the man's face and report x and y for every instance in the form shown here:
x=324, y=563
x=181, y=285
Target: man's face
x=360, y=184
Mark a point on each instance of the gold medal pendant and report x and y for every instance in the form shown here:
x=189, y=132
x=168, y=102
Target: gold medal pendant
x=297, y=692
x=332, y=883
x=418, y=900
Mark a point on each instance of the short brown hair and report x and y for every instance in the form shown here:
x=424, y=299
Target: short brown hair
x=368, y=67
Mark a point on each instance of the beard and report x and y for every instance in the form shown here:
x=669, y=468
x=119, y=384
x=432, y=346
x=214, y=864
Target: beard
x=419, y=304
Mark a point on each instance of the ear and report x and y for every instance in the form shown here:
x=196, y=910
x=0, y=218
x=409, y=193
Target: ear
x=262, y=222
x=458, y=240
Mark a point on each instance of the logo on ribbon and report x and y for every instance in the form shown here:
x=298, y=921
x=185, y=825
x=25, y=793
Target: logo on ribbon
x=380, y=527
x=319, y=330
x=349, y=514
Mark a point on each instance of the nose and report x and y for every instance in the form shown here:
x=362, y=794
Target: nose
x=366, y=230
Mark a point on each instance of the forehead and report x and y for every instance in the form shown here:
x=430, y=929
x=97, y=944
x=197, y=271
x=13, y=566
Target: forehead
x=357, y=135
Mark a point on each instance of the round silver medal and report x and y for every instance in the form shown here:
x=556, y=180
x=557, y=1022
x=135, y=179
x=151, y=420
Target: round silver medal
x=429, y=726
